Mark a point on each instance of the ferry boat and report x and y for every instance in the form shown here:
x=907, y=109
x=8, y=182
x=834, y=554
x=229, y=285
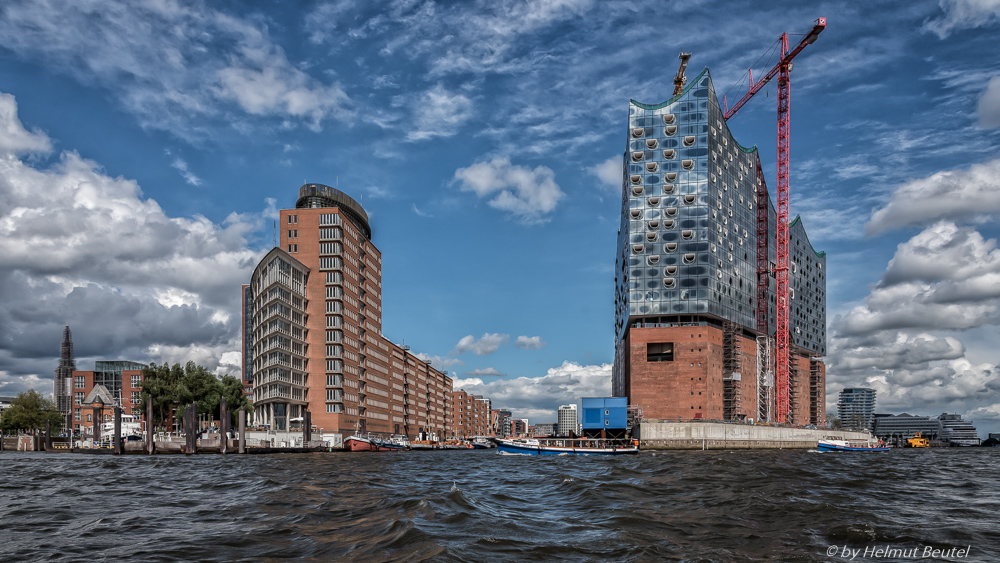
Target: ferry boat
x=833, y=444
x=566, y=446
x=130, y=426
x=375, y=443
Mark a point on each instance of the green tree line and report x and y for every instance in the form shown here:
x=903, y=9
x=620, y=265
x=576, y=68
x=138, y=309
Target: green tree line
x=174, y=387
x=29, y=411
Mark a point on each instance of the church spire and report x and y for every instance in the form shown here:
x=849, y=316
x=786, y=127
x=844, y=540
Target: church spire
x=62, y=390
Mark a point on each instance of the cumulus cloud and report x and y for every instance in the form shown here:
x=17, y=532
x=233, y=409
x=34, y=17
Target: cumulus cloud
x=484, y=372
x=528, y=195
x=954, y=194
x=15, y=140
x=485, y=346
x=964, y=14
x=538, y=398
x=529, y=342
x=82, y=247
x=173, y=65
x=989, y=104
x=945, y=277
x=609, y=173
x=439, y=361
x=439, y=113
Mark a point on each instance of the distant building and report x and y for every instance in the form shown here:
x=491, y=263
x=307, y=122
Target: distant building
x=546, y=428
x=567, y=420
x=957, y=431
x=113, y=382
x=518, y=427
x=469, y=417
x=5, y=403
x=501, y=423
x=62, y=392
x=856, y=407
x=902, y=426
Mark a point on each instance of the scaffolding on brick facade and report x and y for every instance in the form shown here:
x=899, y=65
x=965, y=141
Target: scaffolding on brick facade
x=795, y=377
x=732, y=376
x=817, y=393
x=765, y=379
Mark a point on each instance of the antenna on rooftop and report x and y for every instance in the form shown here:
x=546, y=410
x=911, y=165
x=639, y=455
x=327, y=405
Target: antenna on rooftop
x=275, y=235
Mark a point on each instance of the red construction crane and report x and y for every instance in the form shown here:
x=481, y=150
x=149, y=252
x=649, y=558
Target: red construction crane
x=781, y=70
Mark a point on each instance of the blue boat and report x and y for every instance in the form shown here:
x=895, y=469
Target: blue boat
x=565, y=446
x=841, y=445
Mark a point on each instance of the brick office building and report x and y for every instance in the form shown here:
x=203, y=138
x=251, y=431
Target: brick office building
x=687, y=344
x=315, y=310
x=470, y=416
x=112, y=381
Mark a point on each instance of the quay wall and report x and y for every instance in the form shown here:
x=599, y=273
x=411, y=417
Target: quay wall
x=721, y=436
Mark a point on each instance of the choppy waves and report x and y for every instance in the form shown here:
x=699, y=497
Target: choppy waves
x=480, y=506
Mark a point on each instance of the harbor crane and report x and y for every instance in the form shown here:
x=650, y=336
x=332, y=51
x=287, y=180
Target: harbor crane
x=680, y=80
x=782, y=70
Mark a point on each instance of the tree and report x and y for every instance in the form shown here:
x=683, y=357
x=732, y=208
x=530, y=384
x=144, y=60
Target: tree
x=232, y=390
x=30, y=411
x=172, y=387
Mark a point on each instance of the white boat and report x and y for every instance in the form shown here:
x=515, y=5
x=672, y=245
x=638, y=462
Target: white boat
x=131, y=426
x=834, y=444
x=566, y=446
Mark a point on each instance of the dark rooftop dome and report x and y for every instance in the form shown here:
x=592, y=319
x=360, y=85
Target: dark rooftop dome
x=313, y=196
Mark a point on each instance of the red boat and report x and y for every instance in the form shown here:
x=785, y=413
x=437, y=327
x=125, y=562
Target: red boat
x=360, y=443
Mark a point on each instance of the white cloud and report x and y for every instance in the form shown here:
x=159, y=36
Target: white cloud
x=529, y=342
x=609, y=173
x=529, y=195
x=175, y=66
x=485, y=346
x=989, y=104
x=964, y=14
x=420, y=213
x=484, y=372
x=954, y=194
x=438, y=113
x=943, y=278
x=81, y=247
x=188, y=176
x=538, y=398
x=439, y=361
x=15, y=140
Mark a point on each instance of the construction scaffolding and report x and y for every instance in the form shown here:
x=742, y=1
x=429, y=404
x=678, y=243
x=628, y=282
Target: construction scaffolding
x=732, y=359
x=795, y=377
x=817, y=392
x=765, y=379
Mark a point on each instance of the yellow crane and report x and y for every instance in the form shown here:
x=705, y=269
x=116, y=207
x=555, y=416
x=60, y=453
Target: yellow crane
x=680, y=79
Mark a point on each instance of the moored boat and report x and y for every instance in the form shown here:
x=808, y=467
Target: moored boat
x=376, y=443
x=566, y=446
x=481, y=443
x=833, y=444
x=361, y=443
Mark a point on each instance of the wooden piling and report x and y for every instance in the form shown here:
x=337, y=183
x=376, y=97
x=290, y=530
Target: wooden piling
x=223, y=427
x=149, y=425
x=118, y=446
x=243, y=431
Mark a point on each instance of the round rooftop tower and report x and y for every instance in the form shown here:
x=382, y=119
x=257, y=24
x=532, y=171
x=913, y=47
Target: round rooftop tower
x=314, y=196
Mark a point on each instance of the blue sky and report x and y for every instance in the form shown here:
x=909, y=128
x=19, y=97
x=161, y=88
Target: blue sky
x=145, y=148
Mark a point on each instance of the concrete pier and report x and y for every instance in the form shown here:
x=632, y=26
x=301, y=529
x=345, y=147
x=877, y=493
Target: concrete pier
x=722, y=436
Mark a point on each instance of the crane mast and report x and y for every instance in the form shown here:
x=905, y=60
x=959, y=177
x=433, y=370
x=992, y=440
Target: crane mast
x=782, y=72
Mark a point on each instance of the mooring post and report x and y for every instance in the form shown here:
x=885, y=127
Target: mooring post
x=149, y=425
x=243, y=431
x=191, y=441
x=98, y=416
x=119, y=446
x=48, y=436
x=306, y=429
x=223, y=427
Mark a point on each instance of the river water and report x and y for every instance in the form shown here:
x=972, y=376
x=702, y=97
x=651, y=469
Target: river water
x=778, y=505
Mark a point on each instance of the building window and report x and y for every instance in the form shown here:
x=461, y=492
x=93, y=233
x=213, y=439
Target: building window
x=78, y=382
x=293, y=219
x=136, y=381
x=660, y=352
x=76, y=415
x=90, y=418
x=77, y=398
